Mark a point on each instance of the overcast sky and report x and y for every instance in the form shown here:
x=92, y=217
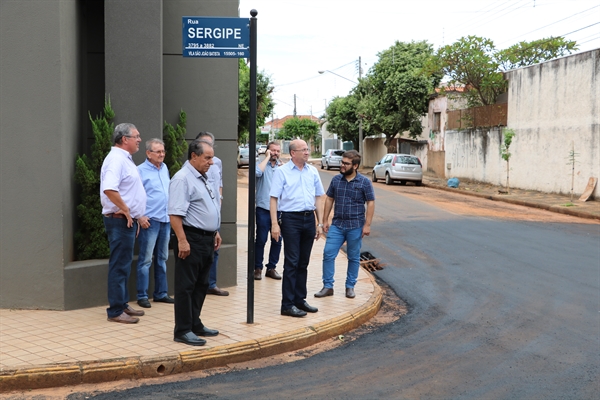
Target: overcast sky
x=298, y=38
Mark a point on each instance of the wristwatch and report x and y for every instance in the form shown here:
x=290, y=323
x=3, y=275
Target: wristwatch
x=321, y=225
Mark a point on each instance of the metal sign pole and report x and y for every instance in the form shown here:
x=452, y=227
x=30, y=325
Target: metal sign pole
x=252, y=169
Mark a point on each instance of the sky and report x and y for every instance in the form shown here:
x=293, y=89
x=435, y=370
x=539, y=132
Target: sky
x=299, y=38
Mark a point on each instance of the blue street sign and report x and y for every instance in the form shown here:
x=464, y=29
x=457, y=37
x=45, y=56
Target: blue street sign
x=216, y=37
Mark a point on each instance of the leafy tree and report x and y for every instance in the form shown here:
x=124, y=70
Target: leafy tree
x=342, y=118
x=264, y=101
x=475, y=63
x=303, y=128
x=90, y=239
x=175, y=144
x=395, y=93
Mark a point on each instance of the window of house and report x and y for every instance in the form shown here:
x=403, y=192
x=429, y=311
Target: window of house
x=437, y=120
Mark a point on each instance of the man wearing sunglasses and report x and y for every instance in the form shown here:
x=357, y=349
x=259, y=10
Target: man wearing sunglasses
x=349, y=192
x=123, y=201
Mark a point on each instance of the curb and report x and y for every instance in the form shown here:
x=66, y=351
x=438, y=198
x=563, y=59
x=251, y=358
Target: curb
x=555, y=209
x=187, y=361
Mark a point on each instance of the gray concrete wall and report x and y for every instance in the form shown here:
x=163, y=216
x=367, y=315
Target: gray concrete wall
x=207, y=90
x=39, y=108
x=133, y=64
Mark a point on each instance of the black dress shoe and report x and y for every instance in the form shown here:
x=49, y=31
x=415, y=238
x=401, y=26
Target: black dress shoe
x=144, y=303
x=271, y=273
x=165, y=299
x=206, y=332
x=191, y=339
x=307, y=307
x=293, y=312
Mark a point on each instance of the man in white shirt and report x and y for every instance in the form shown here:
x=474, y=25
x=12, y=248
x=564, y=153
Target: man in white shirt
x=123, y=201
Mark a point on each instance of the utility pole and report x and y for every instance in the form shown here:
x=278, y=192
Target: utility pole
x=294, y=106
x=360, y=128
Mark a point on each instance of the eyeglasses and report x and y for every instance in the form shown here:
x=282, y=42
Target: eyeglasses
x=302, y=150
x=133, y=137
x=347, y=164
x=158, y=151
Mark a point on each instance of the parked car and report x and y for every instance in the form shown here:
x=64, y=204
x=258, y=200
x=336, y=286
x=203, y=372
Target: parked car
x=243, y=157
x=262, y=149
x=399, y=167
x=332, y=158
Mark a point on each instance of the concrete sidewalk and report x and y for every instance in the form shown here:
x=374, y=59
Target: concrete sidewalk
x=55, y=348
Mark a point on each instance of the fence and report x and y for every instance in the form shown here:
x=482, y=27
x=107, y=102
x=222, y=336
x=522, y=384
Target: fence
x=477, y=117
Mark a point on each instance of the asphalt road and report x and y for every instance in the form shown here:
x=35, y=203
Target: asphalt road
x=499, y=308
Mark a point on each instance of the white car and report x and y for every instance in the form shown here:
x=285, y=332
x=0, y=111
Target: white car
x=398, y=167
x=332, y=158
x=262, y=149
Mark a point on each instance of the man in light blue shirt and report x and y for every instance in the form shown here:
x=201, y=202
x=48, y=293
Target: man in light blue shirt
x=215, y=178
x=195, y=219
x=298, y=193
x=264, y=176
x=154, y=240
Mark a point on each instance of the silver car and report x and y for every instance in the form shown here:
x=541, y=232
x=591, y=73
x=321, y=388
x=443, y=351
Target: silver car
x=243, y=157
x=398, y=167
x=332, y=158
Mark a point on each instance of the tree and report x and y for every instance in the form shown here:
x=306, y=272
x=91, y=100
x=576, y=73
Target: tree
x=264, y=101
x=175, y=144
x=303, y=128
x=395, y=93
x=90, y=239
x=475, y=63
x=342, y=118
x=505, y=152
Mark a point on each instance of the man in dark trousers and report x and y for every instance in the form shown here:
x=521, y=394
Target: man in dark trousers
x=297, y=192
x=195, y=218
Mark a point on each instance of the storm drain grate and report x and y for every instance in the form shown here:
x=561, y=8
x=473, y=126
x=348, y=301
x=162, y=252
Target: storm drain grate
x=369, y=262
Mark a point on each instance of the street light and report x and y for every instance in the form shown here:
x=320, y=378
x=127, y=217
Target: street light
x=360, y=128
x=343, y=77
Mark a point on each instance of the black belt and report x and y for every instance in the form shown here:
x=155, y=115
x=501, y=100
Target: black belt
x=119, y=216
x=305, y=212
x=199, y=231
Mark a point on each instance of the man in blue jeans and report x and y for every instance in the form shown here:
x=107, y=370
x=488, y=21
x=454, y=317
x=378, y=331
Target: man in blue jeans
x=154, y=240
x=123, y=202
x=349, y=191
x=264, y=176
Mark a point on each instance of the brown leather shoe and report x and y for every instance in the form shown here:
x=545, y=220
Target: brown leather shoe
x=271, y=273
x=218, y=292
x=324, y=292
x=350, y=293
x=257, y=274
x=132, y=312
x=124, y=319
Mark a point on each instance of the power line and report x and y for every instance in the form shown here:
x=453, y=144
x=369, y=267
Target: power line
x=556, y=22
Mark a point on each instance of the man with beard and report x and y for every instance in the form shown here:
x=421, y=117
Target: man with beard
x=264, y=177
x=349, y=191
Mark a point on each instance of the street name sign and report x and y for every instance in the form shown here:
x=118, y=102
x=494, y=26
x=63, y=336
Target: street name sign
x=216, y=37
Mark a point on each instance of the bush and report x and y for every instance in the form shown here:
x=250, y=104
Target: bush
x=90, y=239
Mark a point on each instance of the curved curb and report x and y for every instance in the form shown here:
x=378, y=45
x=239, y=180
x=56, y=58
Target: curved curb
x=556, y=209
x=186, y=361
